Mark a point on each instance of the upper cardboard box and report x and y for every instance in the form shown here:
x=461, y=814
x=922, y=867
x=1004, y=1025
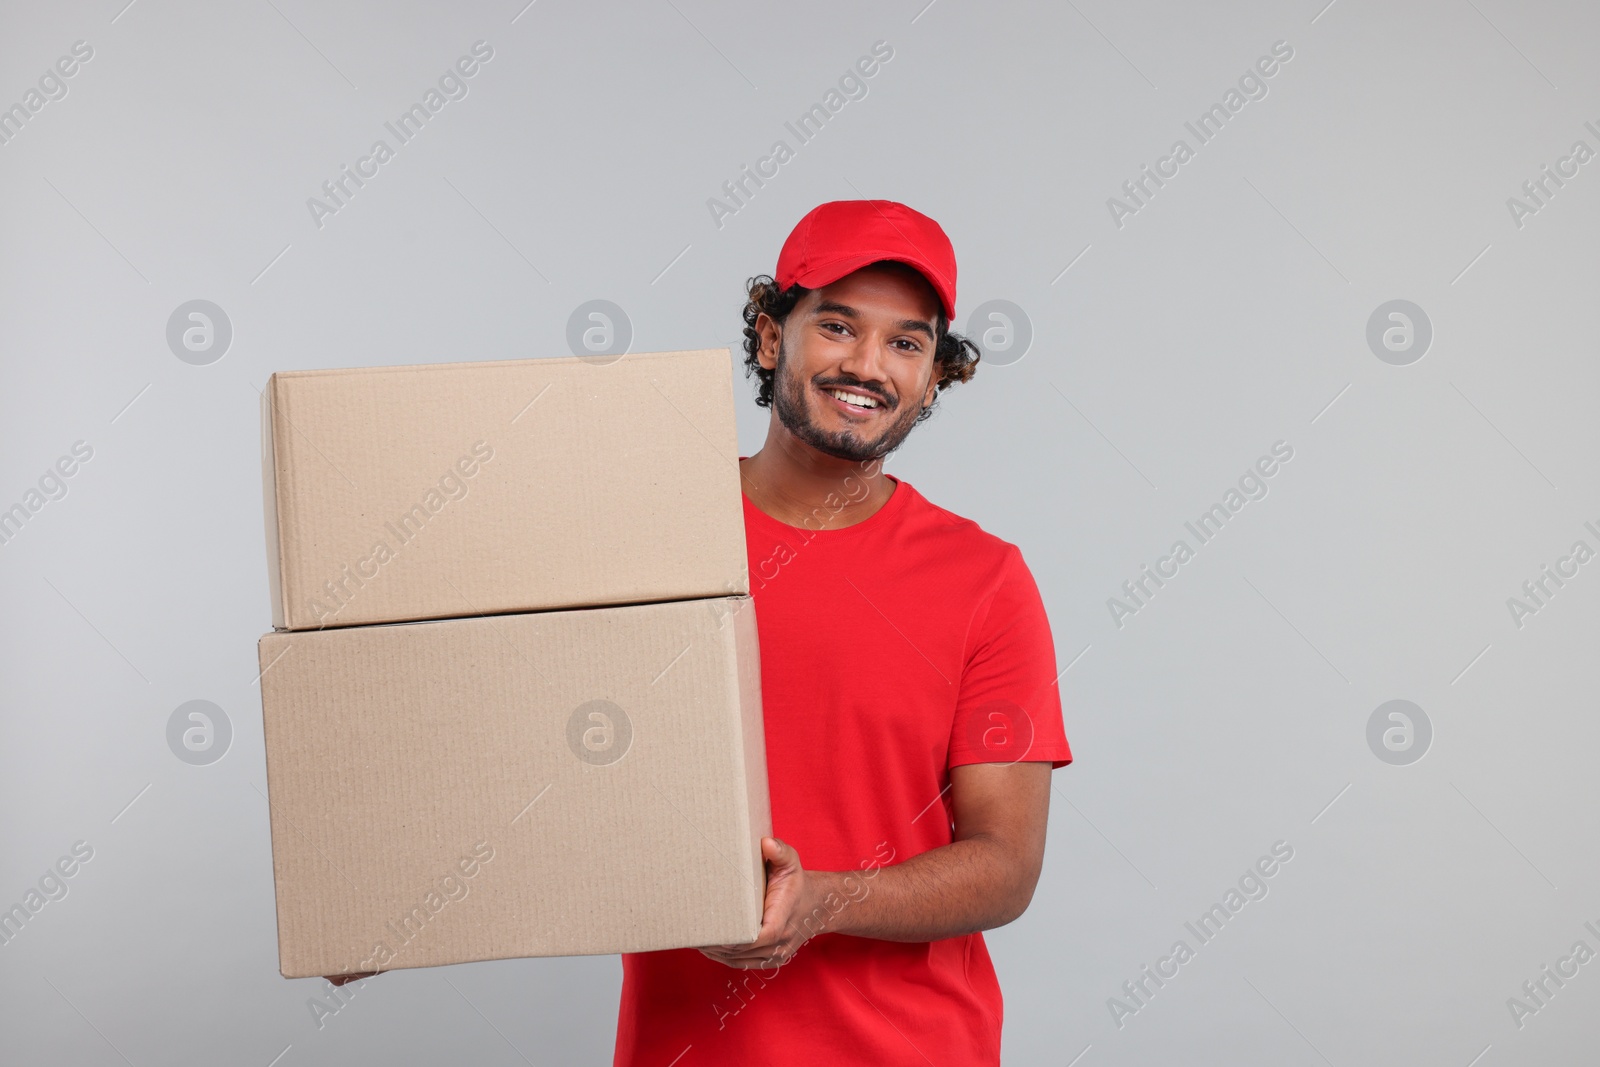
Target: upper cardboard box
x=403, y=493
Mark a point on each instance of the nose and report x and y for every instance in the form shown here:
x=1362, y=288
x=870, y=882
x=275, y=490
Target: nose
x=865, y=360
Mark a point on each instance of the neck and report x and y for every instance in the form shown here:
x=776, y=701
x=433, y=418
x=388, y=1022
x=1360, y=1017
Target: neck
x=800, y=486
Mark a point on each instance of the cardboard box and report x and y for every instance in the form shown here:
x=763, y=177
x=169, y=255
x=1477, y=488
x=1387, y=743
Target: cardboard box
x=559, y=783
x=397, y=493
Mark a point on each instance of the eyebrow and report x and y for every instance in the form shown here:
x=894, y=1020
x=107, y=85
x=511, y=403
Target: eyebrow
x=828, y=307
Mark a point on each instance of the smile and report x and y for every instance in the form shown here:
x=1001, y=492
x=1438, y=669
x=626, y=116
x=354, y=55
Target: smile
x=854, y=403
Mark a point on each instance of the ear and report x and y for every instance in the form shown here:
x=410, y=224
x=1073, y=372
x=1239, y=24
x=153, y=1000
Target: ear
x=933, y=386
x=770, y=334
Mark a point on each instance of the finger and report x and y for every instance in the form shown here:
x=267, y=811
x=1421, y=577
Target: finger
x=341, y=979
x=779, y=854
x=746, y=963
x=764, y=945
x=765, y=938
x=779, y=952
x=740, y=954
x=731, y=949
x=749, y=965
x=720, y=952
x=765, y=963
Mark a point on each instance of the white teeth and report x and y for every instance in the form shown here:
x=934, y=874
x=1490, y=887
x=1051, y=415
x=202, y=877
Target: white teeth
x=852, y=398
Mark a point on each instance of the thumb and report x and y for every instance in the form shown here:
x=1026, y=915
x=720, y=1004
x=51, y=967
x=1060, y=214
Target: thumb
x=782, y=857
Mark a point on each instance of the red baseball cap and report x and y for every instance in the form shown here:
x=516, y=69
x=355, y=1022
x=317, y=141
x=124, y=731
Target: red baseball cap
x=845, y=235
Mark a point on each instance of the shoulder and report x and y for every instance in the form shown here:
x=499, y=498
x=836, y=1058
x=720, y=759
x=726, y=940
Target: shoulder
x=958, y=536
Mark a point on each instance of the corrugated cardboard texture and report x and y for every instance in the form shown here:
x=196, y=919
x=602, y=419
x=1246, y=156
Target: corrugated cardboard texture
x=398, y=493
x=400, y=756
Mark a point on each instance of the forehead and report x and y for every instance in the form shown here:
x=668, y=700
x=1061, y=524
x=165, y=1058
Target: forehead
x=887, y=287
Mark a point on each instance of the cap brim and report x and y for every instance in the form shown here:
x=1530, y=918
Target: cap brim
x=822, y=274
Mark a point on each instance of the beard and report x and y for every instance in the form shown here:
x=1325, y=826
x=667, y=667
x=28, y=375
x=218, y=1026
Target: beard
x=791, y=400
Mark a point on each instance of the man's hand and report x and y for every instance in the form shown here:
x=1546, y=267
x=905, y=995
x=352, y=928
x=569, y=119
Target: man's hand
x=983, y=879
x=793, y=896
x=341, y=979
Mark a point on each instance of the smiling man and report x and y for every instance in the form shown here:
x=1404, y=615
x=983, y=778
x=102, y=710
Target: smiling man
x=908, y=685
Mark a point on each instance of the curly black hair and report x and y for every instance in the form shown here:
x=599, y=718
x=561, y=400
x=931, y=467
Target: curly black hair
x=955, y=357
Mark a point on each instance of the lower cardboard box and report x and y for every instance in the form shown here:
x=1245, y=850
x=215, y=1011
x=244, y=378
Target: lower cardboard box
x=550, y=784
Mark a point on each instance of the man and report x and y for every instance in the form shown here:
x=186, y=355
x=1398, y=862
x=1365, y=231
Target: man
x=908, y=685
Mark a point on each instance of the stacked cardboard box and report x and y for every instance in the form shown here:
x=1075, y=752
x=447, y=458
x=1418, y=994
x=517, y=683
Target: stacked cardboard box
x=512, y=696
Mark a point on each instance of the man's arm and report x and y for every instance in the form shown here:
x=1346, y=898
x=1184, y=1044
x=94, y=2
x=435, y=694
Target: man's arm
x=984, y=879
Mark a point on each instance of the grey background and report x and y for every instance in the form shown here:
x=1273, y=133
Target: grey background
x=1227, y=314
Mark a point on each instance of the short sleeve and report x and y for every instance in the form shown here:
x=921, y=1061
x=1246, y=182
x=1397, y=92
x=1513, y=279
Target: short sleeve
x=1009, y=706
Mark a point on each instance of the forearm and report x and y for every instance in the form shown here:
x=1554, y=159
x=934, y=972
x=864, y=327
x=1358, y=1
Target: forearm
x=974, y=884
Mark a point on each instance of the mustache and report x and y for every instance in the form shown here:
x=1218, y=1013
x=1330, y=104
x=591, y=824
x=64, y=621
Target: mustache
x=842, y=383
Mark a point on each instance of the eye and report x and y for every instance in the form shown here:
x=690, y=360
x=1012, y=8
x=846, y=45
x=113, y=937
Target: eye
x=832, y=326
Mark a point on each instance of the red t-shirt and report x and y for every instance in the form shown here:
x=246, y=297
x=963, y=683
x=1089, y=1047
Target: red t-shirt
x=891, y=651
